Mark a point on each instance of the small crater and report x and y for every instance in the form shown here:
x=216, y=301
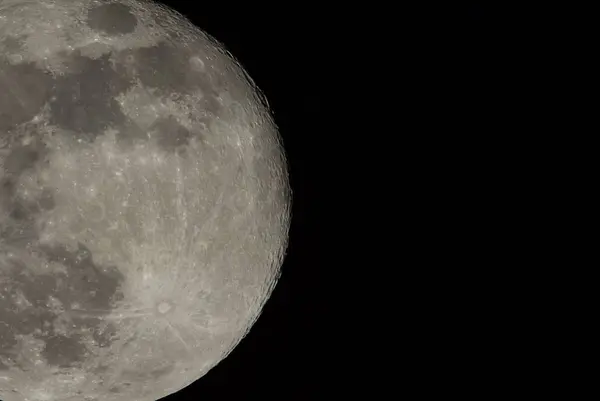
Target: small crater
x=164, y=307
x=25, y=210
x=197, y=64
x=112, y=19
x=46, y=201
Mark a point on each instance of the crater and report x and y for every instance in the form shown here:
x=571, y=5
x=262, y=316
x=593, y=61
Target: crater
x=20, y=227
x=12, y=44
x=11, y=47
x=112, y=19
x=18, y=232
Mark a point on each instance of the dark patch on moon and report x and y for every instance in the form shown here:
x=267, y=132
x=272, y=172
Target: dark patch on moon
x=46, y=201
x=63, y=351
x=20, y=227
x=88, y=283
x=12, y=44
x=91, y=286
x=113, y=19
x=162, y=21
x=10, y=203
x=162, y=67
x=168, y=69
x=22, y=158
x=7, y=193
x=24, y=89
x=18, y=233
x=21, y=210
x=171, y=135
x=84, y=100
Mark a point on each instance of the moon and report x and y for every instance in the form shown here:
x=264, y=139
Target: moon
x=144, y=201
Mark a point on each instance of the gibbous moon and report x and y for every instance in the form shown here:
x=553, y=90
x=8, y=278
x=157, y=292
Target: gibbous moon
x=144, y=201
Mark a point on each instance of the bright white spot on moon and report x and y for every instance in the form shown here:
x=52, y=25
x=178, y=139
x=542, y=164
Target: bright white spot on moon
x=164, y=307
x=197, y=63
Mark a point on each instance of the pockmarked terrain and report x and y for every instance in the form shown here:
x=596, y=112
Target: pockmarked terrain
x=144, y=201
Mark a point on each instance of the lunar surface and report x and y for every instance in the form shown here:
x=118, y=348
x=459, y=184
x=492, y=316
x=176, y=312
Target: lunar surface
x=144, y=201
